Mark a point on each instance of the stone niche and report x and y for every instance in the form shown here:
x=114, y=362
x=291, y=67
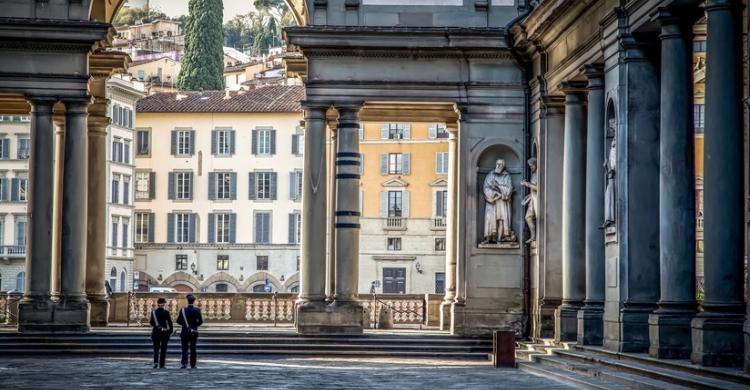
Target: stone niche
x=514, y=167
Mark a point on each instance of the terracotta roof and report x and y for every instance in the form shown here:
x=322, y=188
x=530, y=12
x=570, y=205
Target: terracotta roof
x=273, y=98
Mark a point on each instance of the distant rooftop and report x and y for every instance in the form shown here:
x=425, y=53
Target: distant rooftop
x=273, y=98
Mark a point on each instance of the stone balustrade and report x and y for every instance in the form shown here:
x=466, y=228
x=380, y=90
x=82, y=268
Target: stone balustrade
x=9, y=307
x=259, y=308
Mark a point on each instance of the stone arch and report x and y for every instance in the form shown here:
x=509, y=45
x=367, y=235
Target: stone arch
x=223, y=277
x=181, y=277
x=291, y=281
x=261, y=277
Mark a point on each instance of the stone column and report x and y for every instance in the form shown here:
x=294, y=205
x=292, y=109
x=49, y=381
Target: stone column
x=669, y=325
x=451, y=229
x=35, y=311
x=747, y=227
x=72, y=313
x=717, y=331
x=331, y=271
x=590, y=317
x=97, y=219
x=313, y=245
x=59, y=120
x=347, y=221
x=574, y=203
x=311, y=305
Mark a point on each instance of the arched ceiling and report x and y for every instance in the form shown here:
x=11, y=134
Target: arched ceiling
x=104, y=10
x=299, y=9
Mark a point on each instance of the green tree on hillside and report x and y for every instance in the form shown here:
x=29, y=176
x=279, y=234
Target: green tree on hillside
x=203, y=60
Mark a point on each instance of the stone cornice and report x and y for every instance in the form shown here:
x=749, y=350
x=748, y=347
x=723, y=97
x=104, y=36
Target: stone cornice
x=53, y=35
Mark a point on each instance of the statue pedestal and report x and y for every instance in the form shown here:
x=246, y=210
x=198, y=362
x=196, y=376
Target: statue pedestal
x=320, y=318
x=500, y=245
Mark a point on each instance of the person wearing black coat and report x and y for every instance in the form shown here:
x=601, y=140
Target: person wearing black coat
x=190, y=319
x=161, y=329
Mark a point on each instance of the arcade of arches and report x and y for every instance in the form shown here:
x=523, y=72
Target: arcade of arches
x=599, y=93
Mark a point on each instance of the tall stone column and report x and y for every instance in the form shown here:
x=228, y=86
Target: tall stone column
x=451, y=229
x=669, y=325
x=96, y=243
x=717, y=331
x=574, y=203
x=59, y=120
x=747, y=227
x=590, y=317
x=35, y=311
x=331, y=271
x=311, y=305
x=72, y=312
x=349, y=310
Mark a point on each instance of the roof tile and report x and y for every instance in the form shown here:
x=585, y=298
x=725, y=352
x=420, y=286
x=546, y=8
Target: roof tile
x=273, y=98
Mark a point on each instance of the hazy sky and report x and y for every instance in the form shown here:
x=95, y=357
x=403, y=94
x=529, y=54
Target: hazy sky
x=180, y=7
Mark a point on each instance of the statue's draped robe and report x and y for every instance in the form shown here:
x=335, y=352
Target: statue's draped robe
x=609, y=195
x=497, y=191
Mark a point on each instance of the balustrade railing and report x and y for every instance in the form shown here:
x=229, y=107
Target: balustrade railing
x=254, y=308
x=13, y=250
x=394, y=223
x=438, y=224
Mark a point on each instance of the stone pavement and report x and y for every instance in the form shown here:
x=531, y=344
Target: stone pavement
x=265, y=373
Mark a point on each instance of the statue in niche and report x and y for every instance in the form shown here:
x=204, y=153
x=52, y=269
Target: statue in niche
x=530, y=201
x=498, y=190
x=610, y=165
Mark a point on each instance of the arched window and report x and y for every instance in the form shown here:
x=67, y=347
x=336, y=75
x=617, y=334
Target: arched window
x=123, y=285
x=294, y=288
x=113, y=279
x=21, y=281
x=259, y=288
x=222, y=287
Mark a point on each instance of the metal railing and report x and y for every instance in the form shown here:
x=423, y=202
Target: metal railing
x=9, y=307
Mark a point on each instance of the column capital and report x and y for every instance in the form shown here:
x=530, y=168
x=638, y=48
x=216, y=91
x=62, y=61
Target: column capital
x=76, y=105
x=572, y=87
x=714, y=5
x=595, y=74
x=308, y=105
x=41, y=105
x=348, y=111
x=553, y=105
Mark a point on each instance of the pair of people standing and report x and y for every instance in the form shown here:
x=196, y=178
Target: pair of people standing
x=190, y=319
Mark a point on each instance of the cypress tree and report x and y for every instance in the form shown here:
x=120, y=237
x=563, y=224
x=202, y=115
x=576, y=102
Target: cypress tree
x=203, y=60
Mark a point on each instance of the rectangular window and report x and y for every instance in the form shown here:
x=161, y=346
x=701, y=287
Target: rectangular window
x=184, y=185
x=223, y=227
x=699, y=46
x=126, y=190
x=223, y=142
x=394, y=243
x=263, y=185
x=439, y=244
x=222, y=262
x=23, y=148
x=223, y=185
x=142, y=142
x=115, y=189
x=142, y=225
x=23, y=186
x=4, y=147
x=117, y=151
x=395, y=205
x=21, y=231
x=441, y=204
x=142, y=182
x=115, y=225
x=294, y=227
x=441, y=131
x=125, y=231
x=180, y=262
x=394, y=280
x=441, y=162
x=264, y=141
x=262, y=227
x=699, y=115
x=395, y=131
x=182, y=227
x=183, y=142
x=126, y=152
x=439, y=282
x=261, y=263
x=395, y=163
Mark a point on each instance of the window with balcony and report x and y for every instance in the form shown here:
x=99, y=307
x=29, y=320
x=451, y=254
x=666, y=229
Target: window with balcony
x=395, y=204
x=21, y=231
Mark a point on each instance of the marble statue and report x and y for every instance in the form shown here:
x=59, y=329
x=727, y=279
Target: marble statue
x=498, y=190
x=610, y=164
x=530, y=201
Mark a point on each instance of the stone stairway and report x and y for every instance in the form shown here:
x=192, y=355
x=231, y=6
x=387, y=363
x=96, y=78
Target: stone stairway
x=595, y=368
x=239, y=343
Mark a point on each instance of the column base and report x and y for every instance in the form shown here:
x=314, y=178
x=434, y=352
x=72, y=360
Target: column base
x=670, y=334
x=566, y=322
x=718, y=340
x=544, y=321
x=54, y=317
x=629, y=333
x=747, y=344
x=445, y=315
x=337, y=318
x=590, y=325
x=99, y=310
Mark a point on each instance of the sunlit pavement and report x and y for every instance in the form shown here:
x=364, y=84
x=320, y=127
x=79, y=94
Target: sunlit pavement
x=264, y=373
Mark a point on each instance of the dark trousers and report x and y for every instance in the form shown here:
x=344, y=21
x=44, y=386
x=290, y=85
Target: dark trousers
x=160, y=349
x=188, y=341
